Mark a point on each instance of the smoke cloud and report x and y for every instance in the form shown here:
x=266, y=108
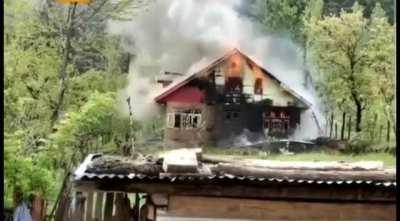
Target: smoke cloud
x=184, y=36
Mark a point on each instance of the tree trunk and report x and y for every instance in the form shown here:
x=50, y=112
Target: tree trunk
x=331, y=127
x=380, y=132
x=349, y=128
x=358, y=116
x=63, y=69
x=388, y=131
x=343, y=126
x=373, y=127
x=336, y=131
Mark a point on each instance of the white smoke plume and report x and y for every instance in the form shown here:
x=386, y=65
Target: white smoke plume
x=184, y=36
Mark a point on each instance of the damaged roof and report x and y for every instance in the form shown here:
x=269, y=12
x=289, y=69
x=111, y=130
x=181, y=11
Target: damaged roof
x=183, y=80
x=100, y=167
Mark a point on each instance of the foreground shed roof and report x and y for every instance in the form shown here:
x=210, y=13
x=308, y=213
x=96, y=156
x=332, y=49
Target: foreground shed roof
x=98, y=166
x=236, y=179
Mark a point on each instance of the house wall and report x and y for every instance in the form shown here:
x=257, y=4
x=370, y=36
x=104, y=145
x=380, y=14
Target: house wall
x=223, y=122
x=194, y=137
x=252, y=209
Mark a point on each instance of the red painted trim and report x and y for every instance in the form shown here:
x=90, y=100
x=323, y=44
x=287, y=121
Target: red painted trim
x=186, y=95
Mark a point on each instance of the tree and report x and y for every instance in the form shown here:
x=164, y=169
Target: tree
x=340, y=49
x=333, y=7
x=382, y=52
x=83, y=34
x=34, y=56
x=28, y=172
x=285, y=17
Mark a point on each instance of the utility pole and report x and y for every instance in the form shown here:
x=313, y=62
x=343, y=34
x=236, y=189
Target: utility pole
x=131, y=138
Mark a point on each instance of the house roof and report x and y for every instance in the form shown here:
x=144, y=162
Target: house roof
x=183, y=80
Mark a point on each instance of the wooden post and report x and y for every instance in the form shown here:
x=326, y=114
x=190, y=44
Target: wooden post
x=349, y=128
x=143, y=211
x=108, y=207
x=99, y=206
x=78, y=213
x=343, y=125
x=38, y=210
x=61, y=206
x=136, y=207
x=331, y=127
x=89, y=206
x=388, y=131
x=122, y=207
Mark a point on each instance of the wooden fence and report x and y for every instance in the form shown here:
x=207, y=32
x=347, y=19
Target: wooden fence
x=107, y=206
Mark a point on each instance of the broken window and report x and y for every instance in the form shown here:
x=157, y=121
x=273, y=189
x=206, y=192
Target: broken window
x=277, y=122
x=177, y=123
x=233, y=85
x=184, y=120
x=258, y=86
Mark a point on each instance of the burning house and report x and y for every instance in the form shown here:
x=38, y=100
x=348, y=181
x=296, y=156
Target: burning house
x=230, y=98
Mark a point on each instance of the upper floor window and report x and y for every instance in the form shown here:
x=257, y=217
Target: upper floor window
x=258, y=86
x=233, y=85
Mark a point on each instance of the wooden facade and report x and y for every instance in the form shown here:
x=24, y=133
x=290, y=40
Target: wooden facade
x=280, y=191
x=248, y=201
x=232, y=96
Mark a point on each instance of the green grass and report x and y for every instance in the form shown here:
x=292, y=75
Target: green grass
x=323, y=155
x=252, y=153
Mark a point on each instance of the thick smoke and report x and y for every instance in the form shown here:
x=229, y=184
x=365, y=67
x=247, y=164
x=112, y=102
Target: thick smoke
x=184, y=36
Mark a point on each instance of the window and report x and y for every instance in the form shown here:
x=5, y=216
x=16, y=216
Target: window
x=277, y=122
x=177, y=122
x=229, y=114
x=184, y=120
x=233, y=85
x=258, y=86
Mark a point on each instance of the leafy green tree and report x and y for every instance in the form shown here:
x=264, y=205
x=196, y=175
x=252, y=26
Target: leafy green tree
x=27, y=171
x=333, y=7
x=84, y=43
x=285, y=17
x=35, y=55
x=382, y=52
x=340, y=48
x=96, y=118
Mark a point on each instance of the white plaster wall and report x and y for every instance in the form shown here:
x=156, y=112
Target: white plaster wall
x=271, y=88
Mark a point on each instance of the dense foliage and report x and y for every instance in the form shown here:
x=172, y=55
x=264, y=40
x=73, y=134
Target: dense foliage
x=348, y=49
x=40, y=66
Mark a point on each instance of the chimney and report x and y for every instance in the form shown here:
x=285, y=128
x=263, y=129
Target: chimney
x=167, y=78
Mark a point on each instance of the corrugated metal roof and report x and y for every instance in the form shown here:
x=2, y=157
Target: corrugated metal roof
x=82, y=174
